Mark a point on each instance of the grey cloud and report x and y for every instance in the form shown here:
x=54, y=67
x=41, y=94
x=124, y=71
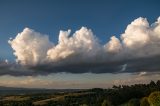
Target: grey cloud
x=133, y=66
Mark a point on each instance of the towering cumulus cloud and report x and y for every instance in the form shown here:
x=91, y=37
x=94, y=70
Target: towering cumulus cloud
x=141, y=39
x=82, y=46
x=82, y=52
x=30, y=47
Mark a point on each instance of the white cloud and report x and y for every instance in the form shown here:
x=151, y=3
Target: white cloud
x=140, y=40
x=6, y=61
x=82, y=46
x=113, y=46
x=123, y=67
x=30, y=47
x=142, y=73
x=136, y=34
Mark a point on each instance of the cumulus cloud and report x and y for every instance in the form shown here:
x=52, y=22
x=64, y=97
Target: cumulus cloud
x=30, y=47
x=141, y=39
x=82, y=46
x=113, y=46
x=81, y=52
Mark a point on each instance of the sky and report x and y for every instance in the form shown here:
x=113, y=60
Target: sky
x=78, y=43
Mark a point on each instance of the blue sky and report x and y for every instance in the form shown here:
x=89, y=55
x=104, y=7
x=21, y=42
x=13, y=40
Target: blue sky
x=104, y=17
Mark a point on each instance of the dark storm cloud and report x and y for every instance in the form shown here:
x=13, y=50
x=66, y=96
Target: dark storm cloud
x=149, y=64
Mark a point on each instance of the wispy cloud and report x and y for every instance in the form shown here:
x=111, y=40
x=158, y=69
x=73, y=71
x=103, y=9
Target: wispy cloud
x=142, y=78
x=43, y=82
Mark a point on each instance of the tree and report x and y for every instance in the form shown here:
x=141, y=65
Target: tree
x=106, y=103
x=144, y=102
x=133, y=102
x=154, y=98
x=152, y=84
x=158, y=84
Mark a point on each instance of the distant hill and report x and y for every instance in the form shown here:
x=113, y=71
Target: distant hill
x=14, y=91
x=10, y=88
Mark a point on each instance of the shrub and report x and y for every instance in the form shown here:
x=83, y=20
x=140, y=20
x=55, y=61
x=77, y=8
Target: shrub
x=154, y=98
x=133, y=102
x=106, y=103
x=144, y=102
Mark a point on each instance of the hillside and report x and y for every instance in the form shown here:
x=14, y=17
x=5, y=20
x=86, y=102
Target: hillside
x=122, y=95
